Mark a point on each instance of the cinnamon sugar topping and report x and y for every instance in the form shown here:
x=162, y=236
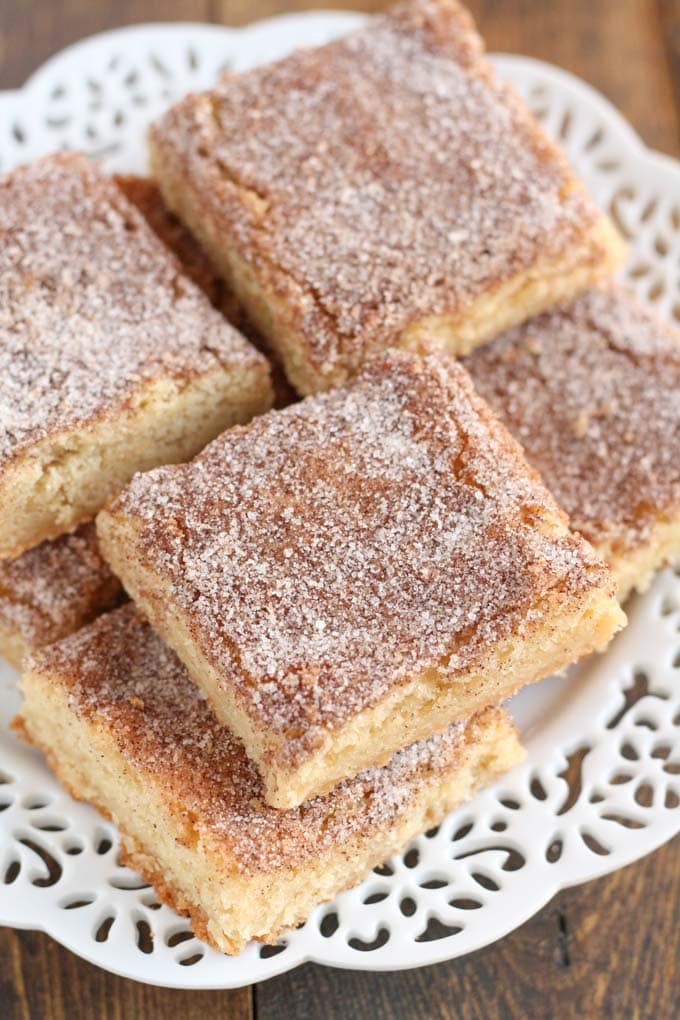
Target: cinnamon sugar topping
x=92, y=305
x=56, y=587
x=328, y=551
x=120, y=674
x=592, y=391
x=388, y=175
x=144, y=194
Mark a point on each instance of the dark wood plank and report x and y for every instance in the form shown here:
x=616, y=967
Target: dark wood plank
x=240, y=12
x=669, y=13
x=606, y=949
x=618, y=47
x=32, y=30
x=40, y=980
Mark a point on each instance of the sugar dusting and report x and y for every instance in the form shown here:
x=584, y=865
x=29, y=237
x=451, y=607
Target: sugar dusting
x=145, y=195
x=329, y=551
x=592, y=392
x=92, y=305
x=55, y=587
x=388, y=174
x=119, y=673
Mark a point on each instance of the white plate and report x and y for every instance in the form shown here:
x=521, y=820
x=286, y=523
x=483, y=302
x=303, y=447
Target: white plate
x=499, y=859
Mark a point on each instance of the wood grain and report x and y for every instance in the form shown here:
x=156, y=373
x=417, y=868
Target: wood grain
x=42, y=981
x=669, y=13
x=619, y=48
x=606, y=949
x=32, y=30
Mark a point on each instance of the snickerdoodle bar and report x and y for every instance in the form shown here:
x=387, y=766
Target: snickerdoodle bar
x=355, y=572
x=591, y=390
x=377, y=189
x=111, y=359
x=52, y=590
x=124, y=727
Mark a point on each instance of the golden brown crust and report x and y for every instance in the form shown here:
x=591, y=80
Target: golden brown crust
x=591, y=390
x=131, y=853
x=382, y=180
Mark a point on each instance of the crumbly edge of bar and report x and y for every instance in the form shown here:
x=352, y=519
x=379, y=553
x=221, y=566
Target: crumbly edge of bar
x=570, y=625
x=68, y=477
x=282, y=900
x=13, y=646
x=275, y=302
x=428, y=704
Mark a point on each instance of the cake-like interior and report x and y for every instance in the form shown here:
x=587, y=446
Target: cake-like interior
x=377, y=189
x=351, y=574
x=124, y=728
x=52, y=590
x=111, y=359
x=591, y=390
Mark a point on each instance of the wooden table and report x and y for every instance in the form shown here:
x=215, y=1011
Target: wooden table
x=607, y=949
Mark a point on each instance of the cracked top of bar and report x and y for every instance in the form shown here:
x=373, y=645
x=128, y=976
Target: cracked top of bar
x=326, y=552
x=591, y=390
x=92, y=305
x=388, y=176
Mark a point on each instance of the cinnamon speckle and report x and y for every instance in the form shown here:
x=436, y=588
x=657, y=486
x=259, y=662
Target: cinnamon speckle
x=56, y=587
x=111, y=666
x=596, y=408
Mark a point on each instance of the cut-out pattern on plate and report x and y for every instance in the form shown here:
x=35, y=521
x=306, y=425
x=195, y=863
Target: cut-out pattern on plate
x=601, y=785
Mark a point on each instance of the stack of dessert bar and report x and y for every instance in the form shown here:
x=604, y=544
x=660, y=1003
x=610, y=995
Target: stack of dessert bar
x=331, y=600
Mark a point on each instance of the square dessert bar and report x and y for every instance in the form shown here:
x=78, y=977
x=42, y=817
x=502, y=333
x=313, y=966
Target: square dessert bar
x=592, y=392
x=380, y=188
x=355, y=572
x=52, y=590
x=111, y=360
x=123, y=727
